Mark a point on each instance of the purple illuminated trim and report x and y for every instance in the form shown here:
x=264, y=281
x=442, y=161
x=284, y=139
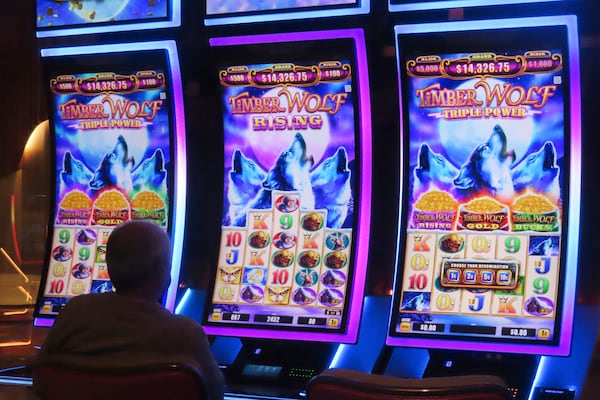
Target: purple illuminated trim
x=363, y=8
x=180, y=172
x=43, y=322
x=364, y=212
x=174, y=22
x=433, y=5
x=572, y=239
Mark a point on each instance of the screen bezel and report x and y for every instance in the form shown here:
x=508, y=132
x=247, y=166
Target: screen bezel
x=130, y=56
x=412, y=5
x=359, y=7
x=349, y=333
x=445, y=32
x=171, y=20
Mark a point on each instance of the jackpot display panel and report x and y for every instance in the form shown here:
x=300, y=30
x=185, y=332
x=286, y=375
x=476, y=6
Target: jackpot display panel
x=63, y=18
x=222, y=12
x=296, y=201
x=412, y=5
x=116, y=118
x=491, y=145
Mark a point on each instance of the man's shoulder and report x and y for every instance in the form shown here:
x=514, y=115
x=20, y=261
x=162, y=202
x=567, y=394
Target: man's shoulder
x=85, y=300
x=184, y=322
x=138, y=310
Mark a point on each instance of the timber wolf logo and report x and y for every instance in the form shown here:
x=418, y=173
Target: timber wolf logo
x=74, y=175
x=331, y=187
x=488, y=168
x=289, y=173
x=151, y=172
x=245, y=180
x=432, y=169
x=539, y=169
x=114, y=169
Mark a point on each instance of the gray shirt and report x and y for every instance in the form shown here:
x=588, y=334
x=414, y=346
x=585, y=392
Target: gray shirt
x=108, y=330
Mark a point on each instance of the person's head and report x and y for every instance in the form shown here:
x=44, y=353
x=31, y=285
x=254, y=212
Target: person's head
x=138, y=258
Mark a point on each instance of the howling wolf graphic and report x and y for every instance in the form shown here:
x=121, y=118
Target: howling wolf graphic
x=245, y=180
x=331, y=186
x=74, y=175
x=290, y=172
x=114, y=169
x=539, y=170
x=432, y=170
x=151, y=173
x=488, y=169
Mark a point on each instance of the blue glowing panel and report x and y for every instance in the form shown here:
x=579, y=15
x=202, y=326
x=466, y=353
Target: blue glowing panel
x=223, y=12
x=119, y=134
x=64, y=18
x=490, y=197
x=295, y=226
x=412, y=5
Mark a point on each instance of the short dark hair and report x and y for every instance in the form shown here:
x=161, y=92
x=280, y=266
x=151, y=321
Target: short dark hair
x=134, y=252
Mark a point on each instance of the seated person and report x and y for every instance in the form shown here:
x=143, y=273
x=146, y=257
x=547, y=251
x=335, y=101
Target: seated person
x=129, y=327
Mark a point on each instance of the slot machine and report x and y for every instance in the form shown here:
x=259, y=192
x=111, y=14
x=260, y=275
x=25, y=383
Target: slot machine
x=289, y=279
x=488, y=234
x=118, y=134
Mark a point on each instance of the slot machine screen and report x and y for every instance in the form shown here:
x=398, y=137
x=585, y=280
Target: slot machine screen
x=220, y=12
x=296, y=198
x=411, y=5
x=62, y=18
x=488, y=231
x=115, y=138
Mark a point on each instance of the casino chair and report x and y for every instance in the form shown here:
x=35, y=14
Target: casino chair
x=172, y=381
x=339, y=383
